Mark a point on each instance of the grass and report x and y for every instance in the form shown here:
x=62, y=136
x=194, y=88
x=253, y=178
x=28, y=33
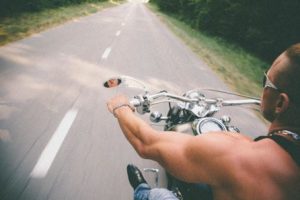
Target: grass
x=22, y=25
x=240, y=70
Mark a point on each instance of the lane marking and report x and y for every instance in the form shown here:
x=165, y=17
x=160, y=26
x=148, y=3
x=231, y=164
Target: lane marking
x=47, y=157
x=106, y=53
x=123, y=24
x=118, y=33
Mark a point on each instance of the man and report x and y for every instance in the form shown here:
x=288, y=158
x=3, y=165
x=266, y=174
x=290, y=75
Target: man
x=267, y=168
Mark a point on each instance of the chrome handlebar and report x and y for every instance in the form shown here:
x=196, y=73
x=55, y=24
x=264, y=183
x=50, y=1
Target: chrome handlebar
x=241, y=102
x=150, y=99
x=196, y=103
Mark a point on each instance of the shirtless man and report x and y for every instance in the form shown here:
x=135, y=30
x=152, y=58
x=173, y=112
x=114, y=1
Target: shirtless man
x=252, y=170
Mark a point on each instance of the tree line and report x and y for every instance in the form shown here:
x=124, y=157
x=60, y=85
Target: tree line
x=13, y=7
x=264, y=27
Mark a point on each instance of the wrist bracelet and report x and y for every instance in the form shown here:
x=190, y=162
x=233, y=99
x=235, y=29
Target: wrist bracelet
x=120, y=106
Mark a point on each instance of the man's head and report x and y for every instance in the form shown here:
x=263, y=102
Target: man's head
x=282, y=102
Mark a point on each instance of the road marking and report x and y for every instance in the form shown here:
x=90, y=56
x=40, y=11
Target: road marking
x=47, y=157
x=106, y=53
x=118, y=33
x=123, y=24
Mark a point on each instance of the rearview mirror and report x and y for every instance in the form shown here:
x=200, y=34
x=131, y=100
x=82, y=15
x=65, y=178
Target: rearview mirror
x=113, y=82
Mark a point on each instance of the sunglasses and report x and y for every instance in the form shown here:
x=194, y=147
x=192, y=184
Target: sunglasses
x=268, y=83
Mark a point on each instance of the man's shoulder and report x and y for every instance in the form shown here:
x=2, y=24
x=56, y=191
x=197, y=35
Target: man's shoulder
x=267, y=157
x=264, y=162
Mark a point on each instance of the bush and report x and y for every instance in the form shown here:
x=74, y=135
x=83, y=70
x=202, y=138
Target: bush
x=13, y=7
x=264, y=27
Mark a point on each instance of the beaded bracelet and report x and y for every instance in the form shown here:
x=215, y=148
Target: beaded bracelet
x=120, y=106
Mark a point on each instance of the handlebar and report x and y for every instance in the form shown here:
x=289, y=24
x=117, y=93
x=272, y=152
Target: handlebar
x=139, y=100
x=172, y=96
x=241, y=102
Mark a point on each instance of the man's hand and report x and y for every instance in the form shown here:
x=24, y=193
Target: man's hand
x=118, y=102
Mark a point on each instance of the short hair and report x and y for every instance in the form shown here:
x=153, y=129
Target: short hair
x=293, y=53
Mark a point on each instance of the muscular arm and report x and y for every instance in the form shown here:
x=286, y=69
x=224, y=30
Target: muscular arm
x=194, y=159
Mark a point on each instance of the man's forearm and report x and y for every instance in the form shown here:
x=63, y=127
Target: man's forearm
x=137, y=132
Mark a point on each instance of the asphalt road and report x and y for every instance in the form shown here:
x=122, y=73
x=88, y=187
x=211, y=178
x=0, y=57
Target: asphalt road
x=58, y=140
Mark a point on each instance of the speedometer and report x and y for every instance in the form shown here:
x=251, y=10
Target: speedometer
x=208, y=124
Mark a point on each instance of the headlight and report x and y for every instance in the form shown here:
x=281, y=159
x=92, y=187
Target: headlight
x=207, y=124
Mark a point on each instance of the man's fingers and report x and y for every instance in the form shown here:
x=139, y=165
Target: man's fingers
x=116, y=101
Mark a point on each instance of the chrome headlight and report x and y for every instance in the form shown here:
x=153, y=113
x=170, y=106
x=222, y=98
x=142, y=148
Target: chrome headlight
x=207, y=124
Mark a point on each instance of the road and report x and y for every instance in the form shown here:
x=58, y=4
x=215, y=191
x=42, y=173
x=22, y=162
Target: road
x=58, y=141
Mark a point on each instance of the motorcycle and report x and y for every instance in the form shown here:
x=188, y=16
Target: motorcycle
x=191, y=113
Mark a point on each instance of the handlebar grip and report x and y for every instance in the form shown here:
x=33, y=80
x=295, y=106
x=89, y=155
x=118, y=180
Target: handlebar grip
x=135, y=102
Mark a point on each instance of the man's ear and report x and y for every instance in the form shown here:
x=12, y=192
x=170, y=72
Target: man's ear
x=282, y=103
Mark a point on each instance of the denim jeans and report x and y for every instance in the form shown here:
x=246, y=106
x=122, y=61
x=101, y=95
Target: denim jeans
x=144, y=192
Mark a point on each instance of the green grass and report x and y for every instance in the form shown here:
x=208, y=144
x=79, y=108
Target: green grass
x=240, y=70
x=19, y=26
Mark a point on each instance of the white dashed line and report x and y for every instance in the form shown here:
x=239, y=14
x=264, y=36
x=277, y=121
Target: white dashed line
x=123, y=24
x=48, y=155
x=118, y=33
x=106, y=53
